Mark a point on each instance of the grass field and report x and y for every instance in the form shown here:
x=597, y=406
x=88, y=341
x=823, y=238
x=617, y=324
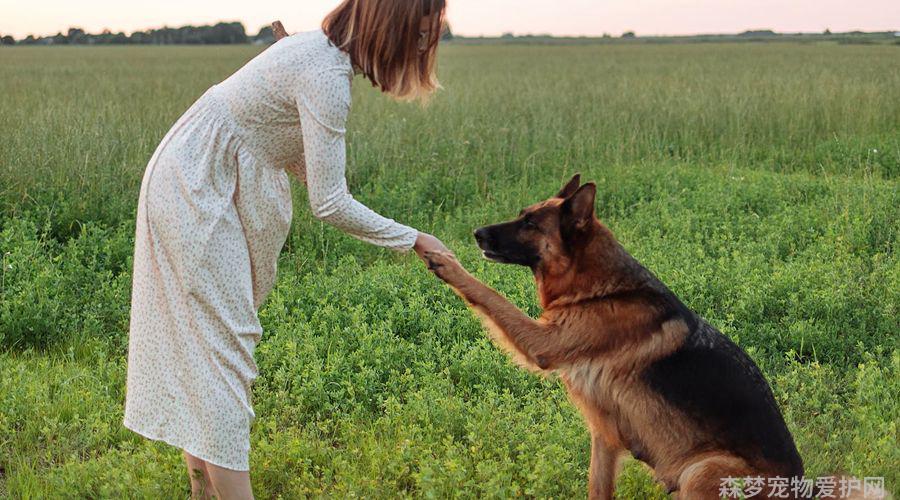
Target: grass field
x=760, y=182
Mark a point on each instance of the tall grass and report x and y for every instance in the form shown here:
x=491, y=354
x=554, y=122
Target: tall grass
x=759, y=181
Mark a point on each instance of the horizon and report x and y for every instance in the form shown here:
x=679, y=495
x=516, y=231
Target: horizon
x=251, y=32
x=468, y=18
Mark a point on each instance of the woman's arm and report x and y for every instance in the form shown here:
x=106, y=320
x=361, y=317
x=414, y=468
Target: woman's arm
x=423, y=242
x=323, y=106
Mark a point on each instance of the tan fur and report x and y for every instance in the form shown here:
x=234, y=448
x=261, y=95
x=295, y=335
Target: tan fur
x=598, y=332
x=597, y=384
x=700, y=479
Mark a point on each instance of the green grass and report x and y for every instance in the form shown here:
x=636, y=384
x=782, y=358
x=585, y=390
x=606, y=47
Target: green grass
x=760, y=182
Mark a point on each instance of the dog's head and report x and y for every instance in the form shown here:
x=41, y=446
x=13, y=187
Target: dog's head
x=545, y=235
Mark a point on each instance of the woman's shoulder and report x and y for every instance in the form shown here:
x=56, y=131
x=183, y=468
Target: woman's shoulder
x=320, y=75
x=307, y=37
x=315, y=49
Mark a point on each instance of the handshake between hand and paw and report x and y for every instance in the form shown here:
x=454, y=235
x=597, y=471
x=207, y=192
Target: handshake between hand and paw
x=445, y=266
x=439, y=259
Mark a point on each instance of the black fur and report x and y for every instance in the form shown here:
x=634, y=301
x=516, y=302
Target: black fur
x=714, y=381
x=502, y=243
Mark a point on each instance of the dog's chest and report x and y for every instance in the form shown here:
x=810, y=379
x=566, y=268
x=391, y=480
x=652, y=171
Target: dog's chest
x=598, y=381
x=610, y=399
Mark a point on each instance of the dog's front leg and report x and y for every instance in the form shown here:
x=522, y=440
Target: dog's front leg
x=602, y=476
x=530, y=341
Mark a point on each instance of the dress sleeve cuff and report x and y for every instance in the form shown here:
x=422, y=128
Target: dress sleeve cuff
x=407, y=241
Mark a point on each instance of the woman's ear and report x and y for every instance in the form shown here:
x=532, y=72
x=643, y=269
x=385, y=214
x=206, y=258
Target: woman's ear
x=570, y=187
x=578, y=208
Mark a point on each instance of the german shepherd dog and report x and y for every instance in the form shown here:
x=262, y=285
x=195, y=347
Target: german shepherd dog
x=649, y=375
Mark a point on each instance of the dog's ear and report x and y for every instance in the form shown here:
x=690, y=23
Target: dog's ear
x=570, y=187
x=578, y=209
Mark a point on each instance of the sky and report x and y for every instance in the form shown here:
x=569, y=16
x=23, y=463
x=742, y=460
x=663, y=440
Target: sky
x=470, y=17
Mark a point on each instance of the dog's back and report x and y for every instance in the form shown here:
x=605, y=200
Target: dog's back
x=718, y=386
x=687, y=393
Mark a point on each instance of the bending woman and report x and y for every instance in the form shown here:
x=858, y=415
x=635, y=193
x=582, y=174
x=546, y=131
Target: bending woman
x=214, y=212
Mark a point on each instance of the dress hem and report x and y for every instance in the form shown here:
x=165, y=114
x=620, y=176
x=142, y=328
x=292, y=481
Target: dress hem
x=189, y=449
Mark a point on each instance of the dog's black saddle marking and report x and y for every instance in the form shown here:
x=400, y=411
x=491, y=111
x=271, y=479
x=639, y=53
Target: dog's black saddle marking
x=715, y=382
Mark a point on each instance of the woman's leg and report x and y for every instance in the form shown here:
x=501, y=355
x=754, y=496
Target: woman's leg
x=230, y=484
x=201, y=486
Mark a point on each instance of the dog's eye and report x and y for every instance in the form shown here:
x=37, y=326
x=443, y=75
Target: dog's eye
x=529, y=224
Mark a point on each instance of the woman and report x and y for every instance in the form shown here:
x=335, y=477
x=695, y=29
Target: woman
x=214, y=212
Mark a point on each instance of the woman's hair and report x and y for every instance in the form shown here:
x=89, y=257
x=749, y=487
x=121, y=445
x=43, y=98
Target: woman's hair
x=384, y=40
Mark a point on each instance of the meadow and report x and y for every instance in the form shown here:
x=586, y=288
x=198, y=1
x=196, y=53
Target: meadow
x=760, y=182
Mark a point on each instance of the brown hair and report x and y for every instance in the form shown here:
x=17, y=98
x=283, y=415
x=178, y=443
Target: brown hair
x=385, y=43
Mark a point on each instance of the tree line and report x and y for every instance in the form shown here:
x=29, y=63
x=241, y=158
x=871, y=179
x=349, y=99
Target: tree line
x=220, y=33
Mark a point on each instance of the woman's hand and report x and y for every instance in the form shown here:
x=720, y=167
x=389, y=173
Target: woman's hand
x=428, y=243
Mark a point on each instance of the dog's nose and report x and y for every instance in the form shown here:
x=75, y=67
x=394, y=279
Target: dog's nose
x=480, y=235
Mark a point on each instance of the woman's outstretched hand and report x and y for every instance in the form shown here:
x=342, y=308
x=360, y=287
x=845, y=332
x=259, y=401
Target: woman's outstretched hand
x=428, y=243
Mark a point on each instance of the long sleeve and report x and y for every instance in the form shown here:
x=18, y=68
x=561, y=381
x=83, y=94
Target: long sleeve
x=323, y=105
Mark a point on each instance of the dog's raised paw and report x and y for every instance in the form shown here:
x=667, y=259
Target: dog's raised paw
x=443, y=264
x=436, y=259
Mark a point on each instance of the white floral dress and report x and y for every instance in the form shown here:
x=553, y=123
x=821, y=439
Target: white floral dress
x=213, y=214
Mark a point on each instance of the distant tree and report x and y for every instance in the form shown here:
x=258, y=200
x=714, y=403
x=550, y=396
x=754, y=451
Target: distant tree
x=758, y=33
x=265, y=35
x=105, y=37
x=629, y=34
x=607, y=35
x=7, y=40
x=221, y=33
x=139, y=37
x=446, y=33
x=227, y=33
x=76, y=36
x=508, y=34
x=827, y=32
